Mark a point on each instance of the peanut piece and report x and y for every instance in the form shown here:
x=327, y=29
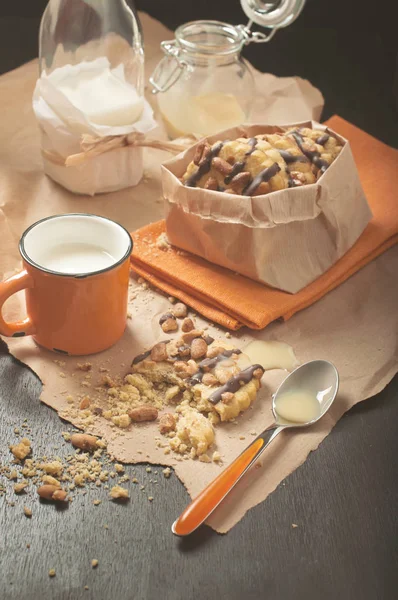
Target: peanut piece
x=143, y=413
x=180, y=310
x=199, y=153
x=167, y=423
x=198, y=348
x=159, y=352
x=191, y=335
x=209, y=379
x=187, y=325
x=205, y=154
x=84, y=441
x=221, y=165
x=85, y=403
x=170, y=324
x=240, y=181
x=51, y=492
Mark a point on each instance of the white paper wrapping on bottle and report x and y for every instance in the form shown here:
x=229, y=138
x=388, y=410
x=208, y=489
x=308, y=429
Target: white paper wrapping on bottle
x=286, y=238
x=62, y=125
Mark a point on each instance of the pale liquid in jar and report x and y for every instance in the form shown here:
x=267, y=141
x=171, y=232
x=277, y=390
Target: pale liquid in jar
x=75, y=258
x=204, y=115
x=297, y=407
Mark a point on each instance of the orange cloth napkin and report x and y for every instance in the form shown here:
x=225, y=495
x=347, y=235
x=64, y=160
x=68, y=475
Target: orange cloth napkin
x=234, y=300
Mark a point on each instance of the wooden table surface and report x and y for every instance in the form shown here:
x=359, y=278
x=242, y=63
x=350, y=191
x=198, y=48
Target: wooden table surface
x=343, y=499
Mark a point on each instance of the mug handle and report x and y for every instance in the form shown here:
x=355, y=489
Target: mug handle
x=11, y=286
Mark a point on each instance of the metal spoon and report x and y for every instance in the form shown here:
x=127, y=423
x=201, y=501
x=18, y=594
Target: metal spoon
x=318, y=378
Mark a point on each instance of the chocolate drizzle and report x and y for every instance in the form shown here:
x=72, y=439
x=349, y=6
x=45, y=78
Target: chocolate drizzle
x=291, y=158
x=252, y=143
x=313, y=155
x=141, y=357
x=205, y=166
x=237, y=168
x=322, y=139
x=197, y=378
x=145, y=355
x=235, y=383
x=264, y=175
x=320, y=163
x=210, y=363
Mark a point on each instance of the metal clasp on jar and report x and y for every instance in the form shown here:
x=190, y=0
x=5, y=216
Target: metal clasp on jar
x=162, y=79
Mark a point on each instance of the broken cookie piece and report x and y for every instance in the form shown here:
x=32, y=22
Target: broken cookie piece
x=194, y=433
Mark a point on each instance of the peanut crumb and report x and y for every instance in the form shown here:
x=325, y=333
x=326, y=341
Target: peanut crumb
x=216, y=456
x=51, y=573
x=97, y=502
x=87, y=366
x=94, y=563
x=19, y=487
x=118, y=492
x=166, y=472
x=22, y=449
x=27, y=512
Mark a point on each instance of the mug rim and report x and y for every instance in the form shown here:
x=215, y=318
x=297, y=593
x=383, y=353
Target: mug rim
x=31, y=262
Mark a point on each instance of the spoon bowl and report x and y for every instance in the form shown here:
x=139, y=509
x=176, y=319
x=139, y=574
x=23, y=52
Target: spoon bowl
x=318, y=378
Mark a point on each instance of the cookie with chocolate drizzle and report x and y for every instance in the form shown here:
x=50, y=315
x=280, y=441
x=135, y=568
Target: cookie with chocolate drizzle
x=264, y=163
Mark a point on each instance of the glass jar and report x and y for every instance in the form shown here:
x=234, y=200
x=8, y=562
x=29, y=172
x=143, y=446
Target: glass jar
x=93, y=50
x=204, y=82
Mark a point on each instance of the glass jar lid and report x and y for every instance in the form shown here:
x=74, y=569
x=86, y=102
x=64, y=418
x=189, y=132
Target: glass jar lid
x=272, y=13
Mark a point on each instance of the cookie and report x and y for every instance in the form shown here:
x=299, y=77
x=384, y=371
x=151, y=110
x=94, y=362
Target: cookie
x=264, y=163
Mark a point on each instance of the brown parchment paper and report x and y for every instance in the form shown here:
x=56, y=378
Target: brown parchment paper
x=355, y=326
x=273, y=238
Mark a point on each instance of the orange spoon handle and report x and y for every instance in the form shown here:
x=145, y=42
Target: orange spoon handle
x=204, y=504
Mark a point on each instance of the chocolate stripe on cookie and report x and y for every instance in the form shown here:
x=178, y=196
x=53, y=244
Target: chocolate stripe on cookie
x=235, y=383
x=252, y=143
x=322, y=139
x=205, y=166
x=237, y=168
x=262, y=176
x=291, y=158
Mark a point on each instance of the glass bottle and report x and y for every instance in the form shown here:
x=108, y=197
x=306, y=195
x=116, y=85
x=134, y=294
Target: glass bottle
x=104, y=36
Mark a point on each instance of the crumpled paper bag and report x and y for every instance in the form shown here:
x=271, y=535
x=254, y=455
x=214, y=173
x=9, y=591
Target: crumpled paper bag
x=62, y=126
x=285, y=239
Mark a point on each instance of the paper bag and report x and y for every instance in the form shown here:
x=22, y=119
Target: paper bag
x=285, y=239
x=62, y=126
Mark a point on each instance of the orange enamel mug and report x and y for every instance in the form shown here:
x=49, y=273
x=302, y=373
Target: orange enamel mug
x=75, y=276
